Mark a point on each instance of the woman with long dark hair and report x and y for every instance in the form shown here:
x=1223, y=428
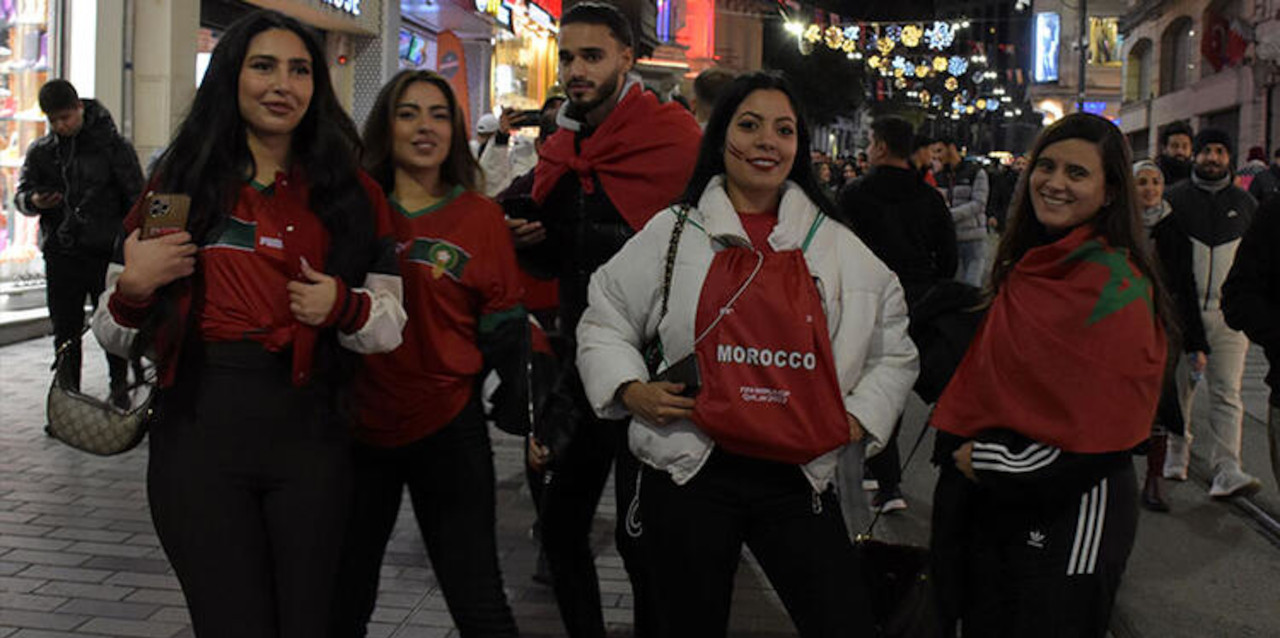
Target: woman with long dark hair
x=1036, y=506
x=254, y=315
x=421, y=423
x=782, y=339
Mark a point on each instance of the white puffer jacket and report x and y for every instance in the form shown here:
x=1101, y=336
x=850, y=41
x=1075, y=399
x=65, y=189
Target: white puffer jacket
x=866, y=317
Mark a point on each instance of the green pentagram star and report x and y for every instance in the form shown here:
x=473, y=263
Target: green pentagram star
x=1125, y=286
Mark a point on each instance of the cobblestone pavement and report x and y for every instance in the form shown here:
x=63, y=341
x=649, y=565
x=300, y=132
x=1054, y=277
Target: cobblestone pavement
x=79, y=556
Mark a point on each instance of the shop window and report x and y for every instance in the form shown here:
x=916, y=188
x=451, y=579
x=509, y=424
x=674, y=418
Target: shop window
x=24, y=67
x=524, y=69
x=1175, y=56
x=1137, y=84
x=1139, y=144
x=1104, y=42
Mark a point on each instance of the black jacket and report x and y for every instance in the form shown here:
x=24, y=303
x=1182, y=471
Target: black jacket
x=584, y=230
x=97, y=173
x=1266, y=184
x=906, y=223
x=1251, y=294
x=1196, y=244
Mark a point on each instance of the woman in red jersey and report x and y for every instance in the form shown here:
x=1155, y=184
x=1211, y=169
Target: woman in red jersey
x=421, y=422
x=254, y=314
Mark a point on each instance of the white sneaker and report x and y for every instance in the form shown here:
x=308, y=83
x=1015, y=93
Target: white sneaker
x=1231, y=482
x=1178, y=458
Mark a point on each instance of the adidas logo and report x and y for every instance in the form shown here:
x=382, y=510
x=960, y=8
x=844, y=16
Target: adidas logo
x=1036, y=539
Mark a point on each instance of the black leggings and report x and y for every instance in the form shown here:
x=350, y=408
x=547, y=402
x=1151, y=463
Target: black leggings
x=249, y=487
x=451, y=483
x=694, y=535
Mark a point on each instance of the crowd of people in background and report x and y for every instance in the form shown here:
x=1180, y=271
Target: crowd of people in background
x=682, y=295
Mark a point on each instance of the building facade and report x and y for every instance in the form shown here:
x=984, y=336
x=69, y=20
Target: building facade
x=1060, y=39
x=1200, y=62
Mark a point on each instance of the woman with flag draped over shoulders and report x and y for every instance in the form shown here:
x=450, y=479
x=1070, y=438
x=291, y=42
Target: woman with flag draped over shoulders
x=1036, y=506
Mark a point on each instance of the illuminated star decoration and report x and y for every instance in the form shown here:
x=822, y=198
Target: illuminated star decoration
x=894, y=33
x=851, y=33
x=958, y=66
x=952, y=84
x=940, y=36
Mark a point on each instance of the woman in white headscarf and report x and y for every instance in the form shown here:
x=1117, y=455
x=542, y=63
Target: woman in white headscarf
x=1148, y=183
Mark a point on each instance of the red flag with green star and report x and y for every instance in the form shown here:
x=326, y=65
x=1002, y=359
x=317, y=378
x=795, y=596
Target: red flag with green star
x=1070, y=353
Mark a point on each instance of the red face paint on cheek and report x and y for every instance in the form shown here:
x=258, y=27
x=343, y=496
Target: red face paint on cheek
x=733, y=150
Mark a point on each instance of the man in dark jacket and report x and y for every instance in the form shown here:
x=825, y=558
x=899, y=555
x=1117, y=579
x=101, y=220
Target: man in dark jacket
x=1197, y=244
x=1175, y=153
x=1251, y=303
x=592, y=193
x=80, y=179
x=907, y=224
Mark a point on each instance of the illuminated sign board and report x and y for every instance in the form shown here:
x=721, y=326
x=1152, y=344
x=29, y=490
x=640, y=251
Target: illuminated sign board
x=1097, y=108
x=346, y=6
x=541, y=16
x=1048, y=29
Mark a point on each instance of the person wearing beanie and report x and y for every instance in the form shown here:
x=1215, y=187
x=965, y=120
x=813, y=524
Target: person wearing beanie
x=1197, y=244
x=1175, y=153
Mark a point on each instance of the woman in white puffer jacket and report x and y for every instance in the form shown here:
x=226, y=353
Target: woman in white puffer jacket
x=803, y=349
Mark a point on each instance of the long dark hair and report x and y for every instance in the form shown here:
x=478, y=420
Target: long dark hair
x=209, y=156
x=459, y=167
x=209, y=160
x=1119, y=220
x=711, y=154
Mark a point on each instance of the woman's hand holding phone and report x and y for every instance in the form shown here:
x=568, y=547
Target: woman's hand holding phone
x=152, y=264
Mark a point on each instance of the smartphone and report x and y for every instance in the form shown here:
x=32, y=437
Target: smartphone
x=166, y=213
x=683, y=371
x=524, y=119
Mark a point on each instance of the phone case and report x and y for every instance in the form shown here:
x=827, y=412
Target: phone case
x=684, y=371
x=166, y=213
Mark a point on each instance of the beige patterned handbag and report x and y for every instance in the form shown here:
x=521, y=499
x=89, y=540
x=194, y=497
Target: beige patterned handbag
x=93, y=425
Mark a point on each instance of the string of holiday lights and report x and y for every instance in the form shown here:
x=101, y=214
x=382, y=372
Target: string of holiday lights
x=912, y=59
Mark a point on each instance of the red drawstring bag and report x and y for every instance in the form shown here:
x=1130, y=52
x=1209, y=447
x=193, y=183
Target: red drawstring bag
x=769, y=383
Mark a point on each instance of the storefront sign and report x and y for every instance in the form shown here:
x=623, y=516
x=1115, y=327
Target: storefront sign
x=541, y=16
x=346, y=6
x=1096, y=108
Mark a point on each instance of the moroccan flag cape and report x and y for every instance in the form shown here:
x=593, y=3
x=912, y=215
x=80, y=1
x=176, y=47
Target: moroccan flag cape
x=1069, y=354
x=644, y=153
